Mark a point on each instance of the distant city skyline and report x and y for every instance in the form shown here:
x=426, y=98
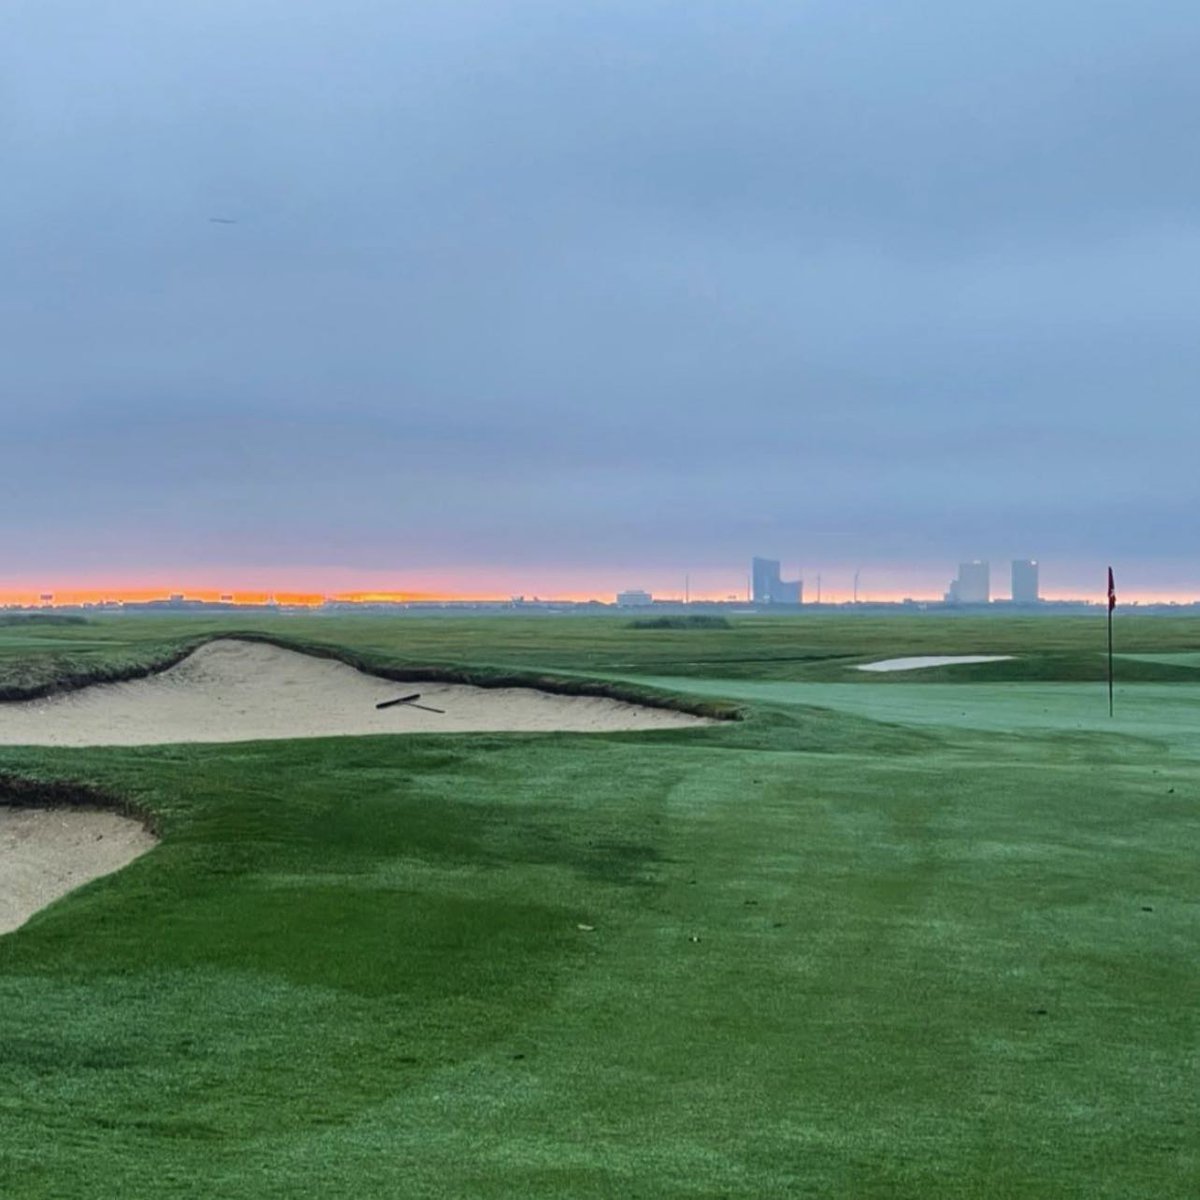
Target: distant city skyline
x=875, y=584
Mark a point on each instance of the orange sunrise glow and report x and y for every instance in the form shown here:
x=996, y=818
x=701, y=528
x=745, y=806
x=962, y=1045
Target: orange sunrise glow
x=90, y=594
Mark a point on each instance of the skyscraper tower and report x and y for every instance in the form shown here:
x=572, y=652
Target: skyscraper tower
x=974, y=583
x=768, y=588
x=1025, y=581
x=765, y=574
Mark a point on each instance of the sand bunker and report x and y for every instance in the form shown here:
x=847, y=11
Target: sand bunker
x=44, y=854
x=931, y=660
x=232, y=691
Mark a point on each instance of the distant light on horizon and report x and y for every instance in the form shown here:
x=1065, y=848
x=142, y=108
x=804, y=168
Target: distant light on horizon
x=68, y=595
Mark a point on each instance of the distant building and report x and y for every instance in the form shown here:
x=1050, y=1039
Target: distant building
x=973, y=585
x=764, y=579
x=766, y=587
x=634, y=598
x=1024, y=581
x=788, y=591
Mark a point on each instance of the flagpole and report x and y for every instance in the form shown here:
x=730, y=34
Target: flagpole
x=1110, y=665
x=1112, y=603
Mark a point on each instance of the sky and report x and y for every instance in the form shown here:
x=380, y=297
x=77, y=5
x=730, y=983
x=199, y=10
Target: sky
x=559, y=298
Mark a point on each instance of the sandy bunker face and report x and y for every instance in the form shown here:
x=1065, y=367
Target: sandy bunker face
x=46, y=853
x=931, y=660
x=232, y=691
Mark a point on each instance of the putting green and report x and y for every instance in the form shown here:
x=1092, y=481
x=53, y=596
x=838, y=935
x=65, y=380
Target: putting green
x=1167, y=711
x=1183, y=658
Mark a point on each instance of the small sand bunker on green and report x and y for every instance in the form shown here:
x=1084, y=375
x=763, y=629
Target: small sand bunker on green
x=931, y=660
x=232, y=691
x=46, y=853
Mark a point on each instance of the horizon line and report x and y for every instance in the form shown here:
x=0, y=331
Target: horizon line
x=79, y=597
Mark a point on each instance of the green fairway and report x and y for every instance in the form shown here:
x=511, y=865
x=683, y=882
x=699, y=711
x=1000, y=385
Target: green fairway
x=924, y=936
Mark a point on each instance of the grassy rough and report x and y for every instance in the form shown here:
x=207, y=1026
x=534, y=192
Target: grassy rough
x=35, y=619
x=883, y=938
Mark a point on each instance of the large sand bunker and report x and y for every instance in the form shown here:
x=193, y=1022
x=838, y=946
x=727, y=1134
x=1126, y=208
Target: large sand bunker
x=232, y=691
x=931, y=660
x=45, y=854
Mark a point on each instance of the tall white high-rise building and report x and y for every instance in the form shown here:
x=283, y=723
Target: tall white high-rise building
x=974, y=583
x=1024, y=581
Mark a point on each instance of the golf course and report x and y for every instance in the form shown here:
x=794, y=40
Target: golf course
x=750, y=921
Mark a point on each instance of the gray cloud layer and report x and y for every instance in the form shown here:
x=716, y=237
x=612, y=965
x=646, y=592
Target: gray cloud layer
x=602, y=284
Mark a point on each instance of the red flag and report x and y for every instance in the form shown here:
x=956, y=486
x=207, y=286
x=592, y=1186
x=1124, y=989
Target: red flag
x=1112, y=591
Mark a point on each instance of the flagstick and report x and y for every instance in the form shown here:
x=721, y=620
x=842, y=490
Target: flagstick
x=1110, y=665
x=1112, y=603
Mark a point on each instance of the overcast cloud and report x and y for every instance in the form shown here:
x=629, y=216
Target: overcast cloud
x=614, y=289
